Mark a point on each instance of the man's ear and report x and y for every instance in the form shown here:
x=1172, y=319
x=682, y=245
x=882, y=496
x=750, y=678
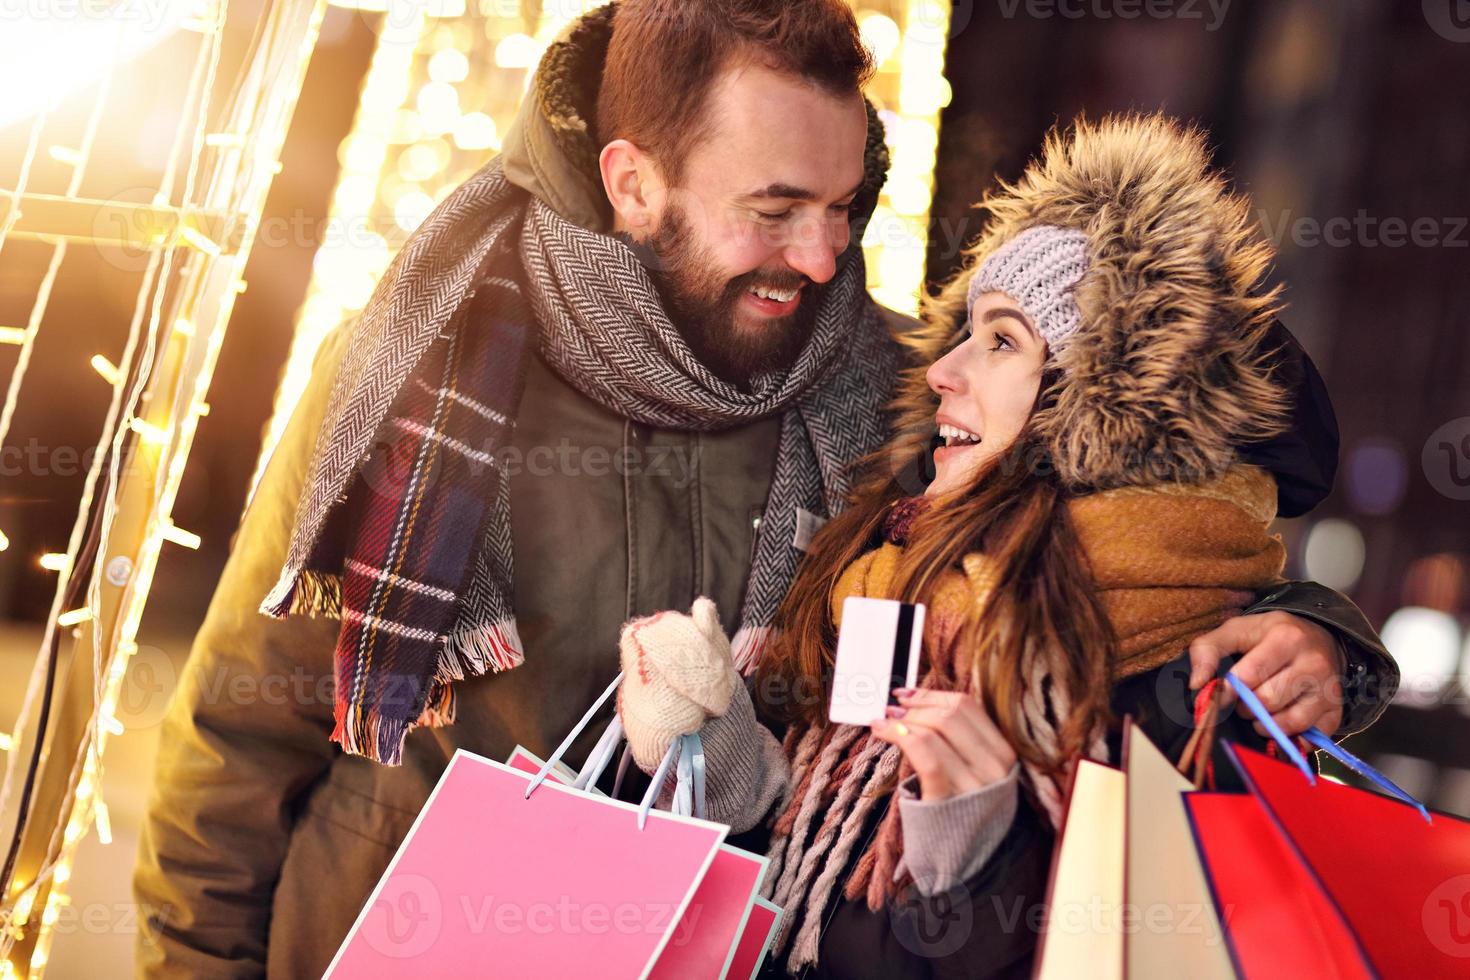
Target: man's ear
x=631, y=182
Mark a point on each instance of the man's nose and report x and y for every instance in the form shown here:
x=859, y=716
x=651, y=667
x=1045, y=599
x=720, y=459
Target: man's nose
x=814, y=246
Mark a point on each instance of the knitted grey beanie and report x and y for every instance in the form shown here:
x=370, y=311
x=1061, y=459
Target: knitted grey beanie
x=1039, y=269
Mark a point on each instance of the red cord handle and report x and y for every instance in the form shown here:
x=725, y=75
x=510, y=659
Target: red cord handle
x=1199, y=750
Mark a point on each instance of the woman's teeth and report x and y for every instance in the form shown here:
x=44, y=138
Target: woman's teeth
x=953, y=435
x=776, y=295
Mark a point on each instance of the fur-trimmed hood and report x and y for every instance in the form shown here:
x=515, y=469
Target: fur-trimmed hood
x=1167, y=375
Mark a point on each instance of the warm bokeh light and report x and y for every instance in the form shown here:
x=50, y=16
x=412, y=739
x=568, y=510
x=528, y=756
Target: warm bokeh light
x=42, y=59
x=1426, y=644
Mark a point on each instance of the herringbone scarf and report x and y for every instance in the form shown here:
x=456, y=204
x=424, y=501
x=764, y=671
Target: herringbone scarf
x=403, y=528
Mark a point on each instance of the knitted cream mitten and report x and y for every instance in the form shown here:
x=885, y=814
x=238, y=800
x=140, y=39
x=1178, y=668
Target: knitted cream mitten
x=677, y=673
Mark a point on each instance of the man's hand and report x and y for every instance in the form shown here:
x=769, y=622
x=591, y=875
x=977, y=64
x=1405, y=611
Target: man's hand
x=1294, y=665
x=950, y=741
x=677, y=674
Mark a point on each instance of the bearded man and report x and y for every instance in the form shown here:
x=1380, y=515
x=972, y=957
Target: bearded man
x=621, y=366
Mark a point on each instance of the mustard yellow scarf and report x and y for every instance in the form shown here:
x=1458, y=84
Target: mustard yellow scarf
x=1169, y=563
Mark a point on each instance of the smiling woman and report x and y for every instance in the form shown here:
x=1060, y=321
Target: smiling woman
x=988, y=383
x=987, y=387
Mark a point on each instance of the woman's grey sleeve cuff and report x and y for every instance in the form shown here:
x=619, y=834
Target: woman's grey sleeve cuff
x=948, y=841
x=746, y=770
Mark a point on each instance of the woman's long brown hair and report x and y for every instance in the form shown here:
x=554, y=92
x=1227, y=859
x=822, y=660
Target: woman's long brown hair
x=1043, y=610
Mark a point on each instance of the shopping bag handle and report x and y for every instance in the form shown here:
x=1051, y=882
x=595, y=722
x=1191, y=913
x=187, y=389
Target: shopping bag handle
x=689, y=788
x=577, y=729
x=625, y=763
x=1323, y=742
x=1249, y=699
x=600, y=755
x=687, y=749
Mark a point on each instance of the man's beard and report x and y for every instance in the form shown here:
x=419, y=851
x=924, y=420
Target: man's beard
x=704, y=306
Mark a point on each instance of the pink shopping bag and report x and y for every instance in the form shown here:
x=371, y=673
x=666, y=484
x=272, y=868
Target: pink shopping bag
x=724, y=909
x=563, y=884
x=755, y=941
x=704, y=943
x=524, y=760
x=506, y=873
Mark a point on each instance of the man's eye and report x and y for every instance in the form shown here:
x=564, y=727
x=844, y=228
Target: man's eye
x=842, y=208
x=773, y=216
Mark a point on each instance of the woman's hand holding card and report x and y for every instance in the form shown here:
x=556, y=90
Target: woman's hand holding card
x=949, y=739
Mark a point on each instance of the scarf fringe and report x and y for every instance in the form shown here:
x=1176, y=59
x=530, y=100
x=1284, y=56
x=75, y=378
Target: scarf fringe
x=748, y=646
x=362, y=731
x=439, y=711
x=480, y=650
x=305, y=592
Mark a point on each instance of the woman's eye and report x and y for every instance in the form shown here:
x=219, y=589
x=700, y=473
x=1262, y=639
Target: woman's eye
x=1002, y=342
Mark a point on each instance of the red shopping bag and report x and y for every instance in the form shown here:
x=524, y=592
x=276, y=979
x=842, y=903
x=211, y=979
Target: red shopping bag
x=510, y=874
x=1279, y=922
x=1315, y=878
x=1401, y=881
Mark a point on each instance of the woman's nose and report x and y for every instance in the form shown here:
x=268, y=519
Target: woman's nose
x=943, y=376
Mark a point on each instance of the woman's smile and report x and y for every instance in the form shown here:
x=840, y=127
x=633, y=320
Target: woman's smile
x=955, y=440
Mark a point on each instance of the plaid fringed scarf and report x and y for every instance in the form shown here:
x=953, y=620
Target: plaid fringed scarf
x=403, y=530
x=396, y=558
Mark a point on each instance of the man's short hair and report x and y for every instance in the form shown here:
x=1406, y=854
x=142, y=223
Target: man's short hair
x=665, y=54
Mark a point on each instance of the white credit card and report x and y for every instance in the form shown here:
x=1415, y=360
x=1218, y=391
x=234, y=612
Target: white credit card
x=877, y=651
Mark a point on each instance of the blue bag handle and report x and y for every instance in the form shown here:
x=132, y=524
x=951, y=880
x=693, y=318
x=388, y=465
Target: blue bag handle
x=687, y=749
x=1319, y=740
x=600, y=755
x=689, y=790
x=577, y=729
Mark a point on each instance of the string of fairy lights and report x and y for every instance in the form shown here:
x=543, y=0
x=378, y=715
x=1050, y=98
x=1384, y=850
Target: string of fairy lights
x=159, y=384
x=445, y=80
x=414, y=140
